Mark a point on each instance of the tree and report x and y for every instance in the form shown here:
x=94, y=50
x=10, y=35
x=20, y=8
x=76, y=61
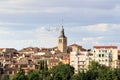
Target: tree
x=116, y=74
x=43, y=69
x=100, y=72
x=80, y=76
x=33, y=75
x=6, y=77
x=20, y=75
x=75, y=77
x=92, y=73
x=62, y=72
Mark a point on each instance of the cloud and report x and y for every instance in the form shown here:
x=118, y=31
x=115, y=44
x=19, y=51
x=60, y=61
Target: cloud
x=93, y=39
x=39, y=37
x=46, y=36
x=46, y=6
x=97, y=34
x=98, y=27
x=4, y=32
x=9, y=24
x=28, y=6
x=89, y=42
x=73, y=11
x=113, y=27
x=90, y=28
x=93, y=21
x=35, y=11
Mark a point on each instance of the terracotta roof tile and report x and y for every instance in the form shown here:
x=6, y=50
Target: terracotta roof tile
x=76, y=45
x=107, y=47
x=119, y=52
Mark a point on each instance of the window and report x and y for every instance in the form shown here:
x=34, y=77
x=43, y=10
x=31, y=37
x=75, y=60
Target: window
x=110, y=50
x=23, y=65
x=106, y=60
x=102, y=50
x=118, y=63
x=102, y=60
x=99, y=50
x=110, y=55
x=31, y=65
x=106, y=51
x=65, y=40
x=102, y=55
x=60, y=40
x=110, y=60
x=99, y=55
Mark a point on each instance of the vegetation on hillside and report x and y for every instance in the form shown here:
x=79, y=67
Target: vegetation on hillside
x=66, y=72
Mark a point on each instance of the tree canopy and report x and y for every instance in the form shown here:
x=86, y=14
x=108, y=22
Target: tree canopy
x=62, y=72
x=95, y=71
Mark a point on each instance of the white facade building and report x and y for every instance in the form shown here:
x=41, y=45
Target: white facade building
x=80, y=61
x=105, y=54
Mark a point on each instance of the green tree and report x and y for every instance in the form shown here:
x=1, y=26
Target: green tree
x=75, y=77
x=20, y=76
x=116, y=74
x=92, y=73
x=43, y=70
x=105, y=73
x=62, y=72
x=33, y=75
x=6, y=77
x=39, y=74
x=100, y=72
x=80, y=76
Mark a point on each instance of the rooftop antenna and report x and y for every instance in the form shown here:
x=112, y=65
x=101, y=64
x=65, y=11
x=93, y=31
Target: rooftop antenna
x=62, y=21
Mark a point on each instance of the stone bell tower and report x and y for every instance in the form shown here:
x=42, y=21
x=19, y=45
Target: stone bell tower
x=62, y=42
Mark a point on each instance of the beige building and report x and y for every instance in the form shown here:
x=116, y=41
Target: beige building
x=29, y=50
x=52, y=62
x=75, y=48
x=105, y=54
x=62, y=42
x=7, y=50
x=116, y=63
x=80, y=61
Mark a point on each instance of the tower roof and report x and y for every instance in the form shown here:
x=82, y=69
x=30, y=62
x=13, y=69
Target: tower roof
x=62, y=33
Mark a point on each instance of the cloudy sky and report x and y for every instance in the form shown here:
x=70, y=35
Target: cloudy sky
x=38, y=23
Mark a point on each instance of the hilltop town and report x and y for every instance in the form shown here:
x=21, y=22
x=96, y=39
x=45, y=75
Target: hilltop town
x=12, y=60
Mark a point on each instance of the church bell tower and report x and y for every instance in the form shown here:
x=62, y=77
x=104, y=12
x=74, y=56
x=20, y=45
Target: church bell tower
x=62, y=42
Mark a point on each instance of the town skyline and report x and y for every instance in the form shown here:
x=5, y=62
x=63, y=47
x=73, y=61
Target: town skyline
x=38, y=23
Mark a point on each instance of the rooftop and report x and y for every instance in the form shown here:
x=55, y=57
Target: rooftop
x=118, y=52
x=106, y=47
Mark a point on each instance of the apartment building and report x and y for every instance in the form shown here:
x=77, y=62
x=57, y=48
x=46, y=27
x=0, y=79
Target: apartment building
x=80, y=61
x=105, y=55
x=116, y=63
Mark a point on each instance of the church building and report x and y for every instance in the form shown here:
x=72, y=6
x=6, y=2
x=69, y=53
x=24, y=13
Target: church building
x=64, y=48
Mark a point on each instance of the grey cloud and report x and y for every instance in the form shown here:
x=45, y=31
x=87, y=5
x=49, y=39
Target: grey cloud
x=25, y=16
